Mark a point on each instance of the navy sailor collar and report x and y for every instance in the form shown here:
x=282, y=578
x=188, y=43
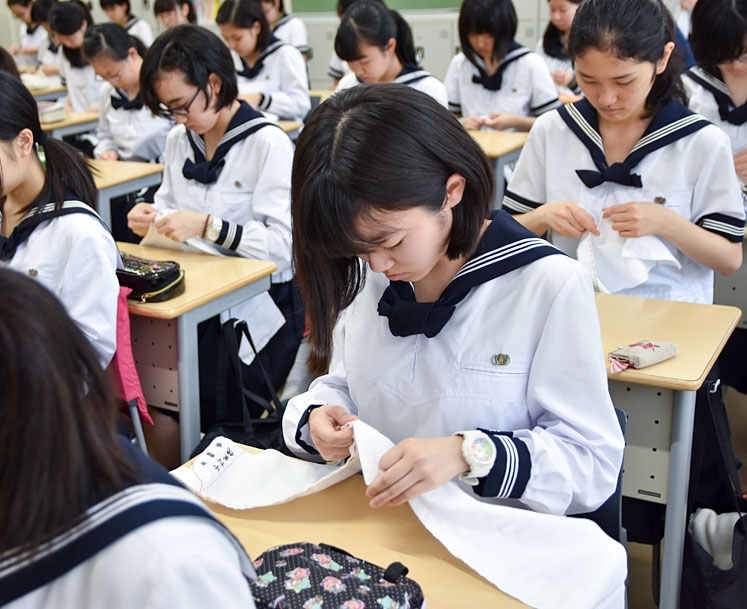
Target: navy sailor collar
x=673, y=122
x=727, y=109
x=130, y=22
x=280, y=22
x=246, y=121
x=409, y=75
x=494, y=82
x=253, y=72
x=504, y=247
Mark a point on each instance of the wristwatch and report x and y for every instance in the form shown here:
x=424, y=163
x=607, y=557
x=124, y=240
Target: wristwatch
x=479, y=453
x=212, y=231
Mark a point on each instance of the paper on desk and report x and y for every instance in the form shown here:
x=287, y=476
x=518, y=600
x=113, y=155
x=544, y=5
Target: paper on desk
x=155, y=239
x=545, y=561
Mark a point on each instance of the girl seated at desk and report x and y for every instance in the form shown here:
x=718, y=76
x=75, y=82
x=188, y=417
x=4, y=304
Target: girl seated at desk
x=271, y=74
x=88, y=520
x=31, y=38
x=174, y=12
x=553, y=47
x=378, y=47
x=118, y=12
x=494, y=82
x=49, y=229
x=628, y=179
x=49, y=56
x=398, y=260
x=286, y=27
x=226, y=182
x=337, y=67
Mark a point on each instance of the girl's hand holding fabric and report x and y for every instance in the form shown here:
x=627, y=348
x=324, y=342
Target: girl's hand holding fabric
x=502, y=121
x=567, y=218
x=471, y=123
x=109, y=155
x=331, y=438
x=740, y=164
x=562, y=78
x=638, y=218
x=181, y=225
x=416, y=466
x=140, y=218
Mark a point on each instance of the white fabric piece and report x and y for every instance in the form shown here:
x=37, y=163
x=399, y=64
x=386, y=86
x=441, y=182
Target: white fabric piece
x=715, y=533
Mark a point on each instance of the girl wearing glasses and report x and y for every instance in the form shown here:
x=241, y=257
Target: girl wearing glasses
x=226, y=181
x=271, y=74
x=174, y=12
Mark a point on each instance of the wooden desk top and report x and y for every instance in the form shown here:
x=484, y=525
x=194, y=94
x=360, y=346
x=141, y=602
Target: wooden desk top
x=322, y=94
x=46, y=90
x=72, y=118
x=497, y=143
x=700, y=331
x=340, y=516
x=111, y=173
x=207, y=277
x=289, y=126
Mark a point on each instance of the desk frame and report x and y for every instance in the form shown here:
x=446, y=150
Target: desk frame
x=117, y=190
x=49, y=95
x=499, y=165
x=83, y=127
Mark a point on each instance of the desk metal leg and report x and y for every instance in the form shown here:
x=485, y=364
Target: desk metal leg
x=125, y=188
x=499, y=165
x=105, y=208
x=683, y=418
x=189, y=384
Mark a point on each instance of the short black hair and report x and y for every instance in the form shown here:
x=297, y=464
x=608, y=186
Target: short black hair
x=41, y=9
x=494, y=17
x=164, y=6
x=66, y=18
x=632, y=29
x=196, y=53
x=21, y=2
x=108, y=3
x=552, y=42
x=719, y=28
x=343, y=5
x=111, y=39
x=244, y=14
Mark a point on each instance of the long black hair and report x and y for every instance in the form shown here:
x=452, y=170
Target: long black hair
x=8, y=64
x=343, y=5
x=632, y=29
x=552, y=42
x=374, y=24
x=244, y=14
x=66, y=18
x=111, y=39
x=719, y=29
x=196, y=53
x=67, y=172
x=58, y=435
x=382, y=147
x=494, y=17
x=164, y=6
x=40, y=10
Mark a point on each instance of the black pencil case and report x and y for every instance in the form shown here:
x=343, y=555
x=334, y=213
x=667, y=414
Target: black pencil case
x=150, y=280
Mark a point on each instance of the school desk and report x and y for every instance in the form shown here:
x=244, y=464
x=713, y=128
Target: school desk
x=49, y=93
x=291, y=128
x=501, y=147
x=341, y=516
x=319, y=95
x=660, y=403
x=73, y=123
x=164, y=334
x=117, y=178
x=732, y=289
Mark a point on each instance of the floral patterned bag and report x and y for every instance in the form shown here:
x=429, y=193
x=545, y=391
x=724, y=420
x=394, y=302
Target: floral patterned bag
x=315, y=576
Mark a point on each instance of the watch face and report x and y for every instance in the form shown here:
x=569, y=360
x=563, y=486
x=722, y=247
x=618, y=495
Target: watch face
x=482, y=450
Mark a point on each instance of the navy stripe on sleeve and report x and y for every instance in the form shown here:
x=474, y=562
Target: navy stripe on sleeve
x=726, y=226
x=515, y=204
x=542, y=108
x=455, y=107
x=511, y=471
x=299, y=433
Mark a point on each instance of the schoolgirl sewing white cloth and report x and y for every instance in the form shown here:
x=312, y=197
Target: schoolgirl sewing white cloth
x=425, y=370
x=412, y=76
x=559, y=63
x=128, y=127
x=139, y=28
x=73, y=255
x=292, y=30
x=522, y=85
x=279, y=74
x=682, y=162
x=31, y=36
x=83, y=85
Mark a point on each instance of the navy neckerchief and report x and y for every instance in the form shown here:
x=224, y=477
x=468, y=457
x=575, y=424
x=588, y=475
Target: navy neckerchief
x=494, y=82
x=505, y=246
x=282, y=21
x=120, y=100
x=52, y=48
x=155, y=495
x=253, y=72
x=9, y=245
x=553, y=44
x=30, y=29
x=727, y=109
x=246, y=121
x=672, y=122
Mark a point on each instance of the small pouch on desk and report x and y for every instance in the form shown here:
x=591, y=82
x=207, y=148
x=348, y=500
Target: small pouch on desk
x=641, y=354
x=150, y=280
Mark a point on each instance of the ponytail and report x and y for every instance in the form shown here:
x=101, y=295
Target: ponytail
x=111, y=39
x=405, y=43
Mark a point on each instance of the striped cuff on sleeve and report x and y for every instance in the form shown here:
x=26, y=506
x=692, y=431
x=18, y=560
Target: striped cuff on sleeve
x=230, y=235
x=300, y=430
x=542, y=108
x=334, y=72
x=726, y=226
x=510, y=473
x=266, y=101
x=515, y=204
x=455, y=107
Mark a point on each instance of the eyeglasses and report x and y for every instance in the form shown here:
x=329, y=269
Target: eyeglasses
x=181, y=110
x=113, y=79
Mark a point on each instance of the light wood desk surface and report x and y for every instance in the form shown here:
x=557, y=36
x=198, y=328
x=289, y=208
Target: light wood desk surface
x=341, y=516
x=111, y=173
x=499, y=143
x=207, y=277
x=700, y=331
x=290, y=126
x=322, y=94
x=72, y=119
x=48, y=90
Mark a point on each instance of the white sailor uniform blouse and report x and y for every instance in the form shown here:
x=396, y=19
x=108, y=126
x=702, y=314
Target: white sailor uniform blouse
x=139, y=28
x=74, y=256
x=522, y=85
x=49, y=53
x=293, y=31
x=338, y=67
x=31, y=36
x=83, y=84
x=682, y=162
x=412, y=76
x=129, y=127
x=279, y=74
x=493, y=353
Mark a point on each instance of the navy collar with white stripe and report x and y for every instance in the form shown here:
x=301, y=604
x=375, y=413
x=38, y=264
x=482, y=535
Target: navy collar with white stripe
x=253, y=72
x=409, y=75
x=673, y=122
x=130, y=22
x=495, y=81
x=504, y=247
x=727, y=109
x=246, y=121
x=280, y=22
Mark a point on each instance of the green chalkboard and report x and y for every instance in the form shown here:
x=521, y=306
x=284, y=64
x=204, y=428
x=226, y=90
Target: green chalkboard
x=324, y=6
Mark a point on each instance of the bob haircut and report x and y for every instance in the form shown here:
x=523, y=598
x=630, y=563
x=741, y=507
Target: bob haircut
x=194, y=52
x=110, y=39
x=244, y=14
x=19, y=2
x=165, y=6
x=631, y=29
x=551, y=40
x=108, y=3
x=719, y=28
x=369, y=148
x=374, y=24
x=343, y=5
x=72, y=426
x=66, y=18
x=494, y=17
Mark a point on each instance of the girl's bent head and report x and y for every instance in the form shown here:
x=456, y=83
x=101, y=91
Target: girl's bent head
x=174, y=12
x=244, y=27
x=719, y=32
x=486, y=28
x=114, y=54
